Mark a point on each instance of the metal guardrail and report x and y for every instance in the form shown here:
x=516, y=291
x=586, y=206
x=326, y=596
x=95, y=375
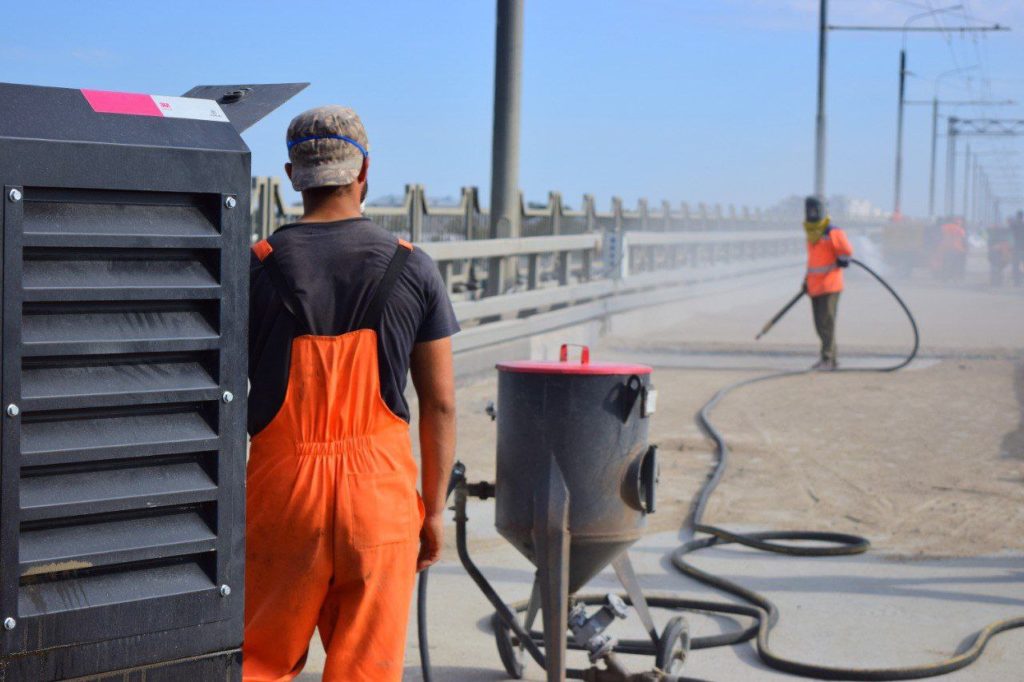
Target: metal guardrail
x=565, y=272
x=572, y=267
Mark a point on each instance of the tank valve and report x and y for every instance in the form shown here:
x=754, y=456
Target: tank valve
x=587, y=630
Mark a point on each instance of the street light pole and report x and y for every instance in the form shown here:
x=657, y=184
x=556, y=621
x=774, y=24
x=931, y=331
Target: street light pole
x=967, y=178
x=950, y=164
x=505, y=215
x=896, y=208
x=931, y=173
x=819, y=136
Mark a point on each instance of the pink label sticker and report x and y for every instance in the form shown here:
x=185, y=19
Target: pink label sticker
x=105, y=102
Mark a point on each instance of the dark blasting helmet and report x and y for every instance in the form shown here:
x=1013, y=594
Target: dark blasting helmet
x=814, y=209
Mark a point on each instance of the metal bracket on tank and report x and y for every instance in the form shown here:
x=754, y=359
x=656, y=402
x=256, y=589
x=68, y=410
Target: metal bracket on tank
x=551, y=543
x=624, y=571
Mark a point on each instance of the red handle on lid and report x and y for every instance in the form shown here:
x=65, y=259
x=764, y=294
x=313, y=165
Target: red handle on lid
x=563, y=355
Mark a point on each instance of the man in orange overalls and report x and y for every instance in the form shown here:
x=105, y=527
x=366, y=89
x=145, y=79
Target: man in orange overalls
x=340, y=311
x=828, y=251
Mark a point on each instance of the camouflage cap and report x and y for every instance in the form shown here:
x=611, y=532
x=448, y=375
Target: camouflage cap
x=326, y=146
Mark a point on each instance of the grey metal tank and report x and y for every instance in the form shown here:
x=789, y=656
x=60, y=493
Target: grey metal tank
x=591, y=419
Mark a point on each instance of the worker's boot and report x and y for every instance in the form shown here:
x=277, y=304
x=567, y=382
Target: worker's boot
x=824, y=365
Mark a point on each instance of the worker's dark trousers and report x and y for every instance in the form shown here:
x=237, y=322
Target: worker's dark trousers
x=825, y=307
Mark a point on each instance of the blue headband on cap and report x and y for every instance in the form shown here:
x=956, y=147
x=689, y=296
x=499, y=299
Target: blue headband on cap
x=361, y=148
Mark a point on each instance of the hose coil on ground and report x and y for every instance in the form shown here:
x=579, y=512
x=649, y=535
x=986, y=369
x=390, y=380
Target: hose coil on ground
x=764, y=612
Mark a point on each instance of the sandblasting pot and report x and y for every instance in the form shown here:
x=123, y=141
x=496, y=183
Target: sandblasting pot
x=592, y=419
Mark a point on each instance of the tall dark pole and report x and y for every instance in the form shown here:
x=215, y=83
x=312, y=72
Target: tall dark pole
x=935, y=139
x=951, y=166
x=505, y=215
x=975, y=213
x=896, y=208
x=967, y=179
x=819, y=136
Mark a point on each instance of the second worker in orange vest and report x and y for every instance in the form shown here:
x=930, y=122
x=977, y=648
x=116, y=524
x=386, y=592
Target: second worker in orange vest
x=828, y=252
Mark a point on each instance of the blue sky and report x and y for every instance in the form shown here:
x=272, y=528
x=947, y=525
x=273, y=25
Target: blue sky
x=666, y=99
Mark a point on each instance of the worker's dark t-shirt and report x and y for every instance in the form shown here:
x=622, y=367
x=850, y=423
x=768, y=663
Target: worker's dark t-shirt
x=333, y=270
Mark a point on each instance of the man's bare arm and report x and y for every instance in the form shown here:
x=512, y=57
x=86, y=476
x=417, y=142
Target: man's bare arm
x=434, y=379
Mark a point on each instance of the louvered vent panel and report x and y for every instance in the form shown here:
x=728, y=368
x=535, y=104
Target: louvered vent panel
x=119, y=375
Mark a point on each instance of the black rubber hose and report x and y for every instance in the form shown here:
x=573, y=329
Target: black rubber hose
x=762, y=609
x=421, y=626
x=457, y=475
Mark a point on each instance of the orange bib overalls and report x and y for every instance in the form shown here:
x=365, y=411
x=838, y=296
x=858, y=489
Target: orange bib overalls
x=333, y=514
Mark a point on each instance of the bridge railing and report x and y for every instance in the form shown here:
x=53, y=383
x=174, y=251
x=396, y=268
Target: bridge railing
x=466, y=220
x=570, y=266
x=551, y=273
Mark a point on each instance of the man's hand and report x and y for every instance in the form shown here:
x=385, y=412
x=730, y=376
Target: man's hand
x=843, y=261
x=431, y=540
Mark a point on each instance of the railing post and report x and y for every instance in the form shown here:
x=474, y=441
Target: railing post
x=684, y=214
x=590, y=212
x=274, y=204
x=702, y=212
x=666, y=210
x=258, y=210
x=415, y=206
x=469, y=206
x=563, y=268
x=445, y=267
x=555, y=204
x=533, y=274
x=641, y=206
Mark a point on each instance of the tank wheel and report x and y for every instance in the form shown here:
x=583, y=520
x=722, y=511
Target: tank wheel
x=673, y=645
x=509, y=649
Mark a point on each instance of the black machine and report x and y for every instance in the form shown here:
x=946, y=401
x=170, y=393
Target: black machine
x=575, y=481
x=125, y=232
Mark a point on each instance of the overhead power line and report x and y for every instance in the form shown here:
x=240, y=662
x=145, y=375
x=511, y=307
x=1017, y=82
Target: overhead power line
x=922, y=29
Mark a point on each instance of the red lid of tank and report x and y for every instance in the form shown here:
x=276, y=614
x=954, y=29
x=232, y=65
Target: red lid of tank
x=563, y=366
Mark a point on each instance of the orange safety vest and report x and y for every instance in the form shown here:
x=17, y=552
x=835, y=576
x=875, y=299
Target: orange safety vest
x=824, y=276
x=954, y=238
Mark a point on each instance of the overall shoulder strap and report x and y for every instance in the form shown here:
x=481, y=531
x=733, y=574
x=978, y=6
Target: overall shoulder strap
x=371, y=318
x=265, y=253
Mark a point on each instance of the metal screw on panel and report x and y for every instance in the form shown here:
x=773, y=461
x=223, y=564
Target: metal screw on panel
x=10, y=624
x=13, y=410
x=228, y=396
x=225, y=590
x=230, y=202
x=14, y=195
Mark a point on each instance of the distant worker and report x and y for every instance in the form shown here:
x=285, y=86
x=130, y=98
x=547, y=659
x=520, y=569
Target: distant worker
x=1000, y=253
x=828, y=250
x=340, y=311
x=1017, y=234
x=951, y=258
